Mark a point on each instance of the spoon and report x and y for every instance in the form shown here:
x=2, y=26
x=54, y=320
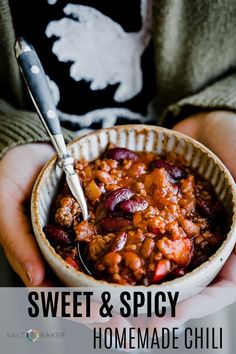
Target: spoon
x=37, y=85
x=82, y=262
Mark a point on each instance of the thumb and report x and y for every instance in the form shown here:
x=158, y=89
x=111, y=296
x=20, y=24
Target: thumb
x=18, y=171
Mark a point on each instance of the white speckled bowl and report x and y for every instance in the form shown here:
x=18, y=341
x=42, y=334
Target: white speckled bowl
x=138, y=138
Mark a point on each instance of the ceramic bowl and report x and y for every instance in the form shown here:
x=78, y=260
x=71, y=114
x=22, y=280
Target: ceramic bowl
x=137, y=138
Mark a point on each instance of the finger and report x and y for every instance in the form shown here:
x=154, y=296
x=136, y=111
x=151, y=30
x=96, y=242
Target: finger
x=228, y=273
x=212, y=299
x=190, y=126
x=19, y=245
x=50, y=279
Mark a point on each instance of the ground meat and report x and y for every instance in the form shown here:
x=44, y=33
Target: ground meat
x=84, y=231
x=151, y=218
x=98, y=245
x=68, y=212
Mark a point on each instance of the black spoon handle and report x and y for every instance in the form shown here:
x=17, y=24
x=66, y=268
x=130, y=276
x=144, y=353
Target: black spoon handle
x=37, y=85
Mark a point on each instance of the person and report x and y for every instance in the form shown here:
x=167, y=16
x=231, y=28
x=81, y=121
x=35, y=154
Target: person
x=169, y=63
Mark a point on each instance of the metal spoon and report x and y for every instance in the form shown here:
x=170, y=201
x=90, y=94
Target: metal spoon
x=82, y=262
x=37, y=85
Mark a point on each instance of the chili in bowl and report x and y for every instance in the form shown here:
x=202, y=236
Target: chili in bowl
x=151, y=219
x=161, y=205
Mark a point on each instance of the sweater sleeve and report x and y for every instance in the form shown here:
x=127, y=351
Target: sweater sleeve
x=21, y=127
x=220, y=95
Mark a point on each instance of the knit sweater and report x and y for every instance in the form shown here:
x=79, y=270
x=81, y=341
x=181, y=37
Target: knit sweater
x=195, y=59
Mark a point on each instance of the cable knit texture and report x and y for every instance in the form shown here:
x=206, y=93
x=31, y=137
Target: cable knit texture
x=195, y=45
x=195, y=60
x=20, y=127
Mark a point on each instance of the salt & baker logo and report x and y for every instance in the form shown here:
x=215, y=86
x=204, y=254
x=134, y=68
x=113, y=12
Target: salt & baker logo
x=32, y=335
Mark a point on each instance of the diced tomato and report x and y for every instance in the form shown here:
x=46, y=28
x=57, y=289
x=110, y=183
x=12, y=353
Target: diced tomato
x=179, y=251
x=71, y=262
x=161, y=270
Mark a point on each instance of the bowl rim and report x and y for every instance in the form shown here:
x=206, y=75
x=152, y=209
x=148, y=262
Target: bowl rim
x=96, y=282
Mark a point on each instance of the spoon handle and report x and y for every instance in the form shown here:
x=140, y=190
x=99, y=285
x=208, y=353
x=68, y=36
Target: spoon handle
x=37, y=84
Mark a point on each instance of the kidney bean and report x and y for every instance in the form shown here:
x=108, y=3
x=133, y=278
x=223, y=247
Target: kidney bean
x=161, y=270
x=132, y=260
x=119, y=241
x=114, y=223
x=71, y=262
x=57, y=236
x=120, y=154
x=133, y=205
x=147, y=247
x=208, y=209
x=175, y=172
x=117, y=196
